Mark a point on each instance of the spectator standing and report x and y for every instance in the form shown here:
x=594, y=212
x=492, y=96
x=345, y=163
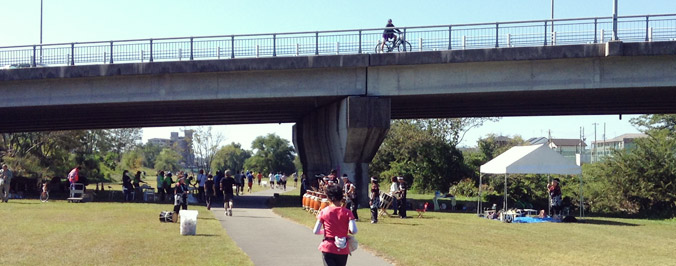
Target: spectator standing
x=555, y=197
x=374, y=199
x=304, y=184
x=209, y=190
x=127, y=187
x=180, y=195
x=260, y=177
x=167, y=184
x=160, y=184
x=295, y=180
x=350, y=196
x=394, y=190
x=403, y=187
x=6, y=176
x=137, y=182
x=337, y=223
x=201, y=179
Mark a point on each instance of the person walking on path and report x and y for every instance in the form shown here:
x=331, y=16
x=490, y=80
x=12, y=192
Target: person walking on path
x=249, y=180
x=374, y=199
x=201, y=179
x=337, y=222
x=6, y=176
x=272, y=181
x=350, y=196
x=295, y=180
x=259, y=177
x=226, y=188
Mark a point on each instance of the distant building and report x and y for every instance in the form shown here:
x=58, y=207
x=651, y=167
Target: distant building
x=164, y=143
x=573, y=149
x=602, y=149
x=182, y=145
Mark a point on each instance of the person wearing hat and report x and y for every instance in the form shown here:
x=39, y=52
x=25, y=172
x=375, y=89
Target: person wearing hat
x=403, y=187
x=374, y=199
x=350, y=196
x=226, y=188
x=555, y=196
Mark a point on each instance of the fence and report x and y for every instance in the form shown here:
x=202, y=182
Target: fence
x=645, y=28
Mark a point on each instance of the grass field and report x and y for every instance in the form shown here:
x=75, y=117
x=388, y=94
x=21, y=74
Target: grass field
x=464, y=239
x=60, y=233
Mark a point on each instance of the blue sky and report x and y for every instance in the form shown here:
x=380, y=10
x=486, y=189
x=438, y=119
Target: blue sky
x=87, y=20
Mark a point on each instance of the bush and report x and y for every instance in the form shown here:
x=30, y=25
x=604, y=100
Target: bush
x=466, y=187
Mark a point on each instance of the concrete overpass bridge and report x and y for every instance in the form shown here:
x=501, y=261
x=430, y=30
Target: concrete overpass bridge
x=342, y=103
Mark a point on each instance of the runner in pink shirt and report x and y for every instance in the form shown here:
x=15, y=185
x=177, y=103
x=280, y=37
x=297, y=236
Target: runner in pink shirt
x=337, y=222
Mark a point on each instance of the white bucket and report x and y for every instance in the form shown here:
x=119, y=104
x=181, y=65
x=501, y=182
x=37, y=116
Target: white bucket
x=188, y=222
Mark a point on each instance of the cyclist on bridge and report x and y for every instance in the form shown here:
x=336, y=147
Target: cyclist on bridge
x=389, y=34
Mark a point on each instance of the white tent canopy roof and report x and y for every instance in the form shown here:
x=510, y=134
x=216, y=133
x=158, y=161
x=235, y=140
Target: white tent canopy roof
x=532, y=159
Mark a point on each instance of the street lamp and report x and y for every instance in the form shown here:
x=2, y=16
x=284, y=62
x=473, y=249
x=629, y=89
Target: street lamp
x=615, y=20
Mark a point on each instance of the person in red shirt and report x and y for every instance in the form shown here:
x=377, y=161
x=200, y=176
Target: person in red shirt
x=337, y=222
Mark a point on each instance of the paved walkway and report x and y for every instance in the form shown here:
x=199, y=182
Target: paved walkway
x=269, y=239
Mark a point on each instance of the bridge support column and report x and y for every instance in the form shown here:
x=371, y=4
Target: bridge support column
x=345, y=136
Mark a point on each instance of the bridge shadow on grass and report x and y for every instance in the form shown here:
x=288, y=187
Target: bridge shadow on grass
x=208, y=235
x=23, y=202
x=605, y=222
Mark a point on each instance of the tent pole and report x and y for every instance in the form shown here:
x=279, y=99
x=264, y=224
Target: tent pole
x=549, y=203
x=478, y=203
x=504, y=206
x=581, y=199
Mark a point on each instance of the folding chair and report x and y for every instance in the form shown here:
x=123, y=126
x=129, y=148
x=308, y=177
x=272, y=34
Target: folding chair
x=423, y=210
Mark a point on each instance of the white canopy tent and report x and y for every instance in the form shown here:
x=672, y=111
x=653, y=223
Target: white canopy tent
x=533, y=159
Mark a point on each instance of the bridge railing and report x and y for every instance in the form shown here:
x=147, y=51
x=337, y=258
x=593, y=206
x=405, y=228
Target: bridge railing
x=645, y=28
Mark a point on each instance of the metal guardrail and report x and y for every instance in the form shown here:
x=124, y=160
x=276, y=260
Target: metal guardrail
x=644, y=28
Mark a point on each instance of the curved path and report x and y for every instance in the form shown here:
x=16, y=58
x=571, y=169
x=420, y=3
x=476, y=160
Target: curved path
x=269, y=239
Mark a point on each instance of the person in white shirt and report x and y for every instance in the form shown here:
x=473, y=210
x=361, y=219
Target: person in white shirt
x=394, y=189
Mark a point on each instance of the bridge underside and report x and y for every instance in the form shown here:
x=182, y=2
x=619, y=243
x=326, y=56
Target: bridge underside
x=290, y=110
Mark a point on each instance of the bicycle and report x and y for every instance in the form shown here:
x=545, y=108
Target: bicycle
x=402, y=45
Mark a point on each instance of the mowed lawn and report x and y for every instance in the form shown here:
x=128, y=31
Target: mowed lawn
x=464, y=239
x=61, y=233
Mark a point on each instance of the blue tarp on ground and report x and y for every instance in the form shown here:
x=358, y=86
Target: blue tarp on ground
x=528, y=220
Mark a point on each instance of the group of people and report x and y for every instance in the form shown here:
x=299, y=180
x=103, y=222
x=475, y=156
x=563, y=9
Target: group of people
x=279, y=180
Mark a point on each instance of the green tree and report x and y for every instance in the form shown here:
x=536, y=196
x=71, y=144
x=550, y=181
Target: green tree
x=150, y=153
x=273, y=153
x=230, y=156
x=132, y=160
x=168, y=160
x=423, y=157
